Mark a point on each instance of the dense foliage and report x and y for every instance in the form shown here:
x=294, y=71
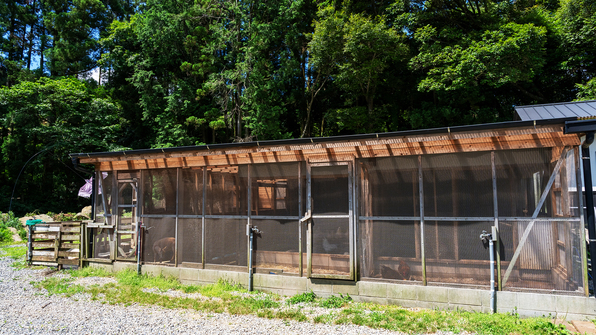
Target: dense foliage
x=180, y=72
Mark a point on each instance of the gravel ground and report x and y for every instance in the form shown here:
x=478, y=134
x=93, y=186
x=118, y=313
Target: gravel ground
x=25, y=309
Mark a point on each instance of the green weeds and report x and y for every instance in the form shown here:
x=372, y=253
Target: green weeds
x=305, y=297
x=9, y=220
x=223, y=296
x=335, y=301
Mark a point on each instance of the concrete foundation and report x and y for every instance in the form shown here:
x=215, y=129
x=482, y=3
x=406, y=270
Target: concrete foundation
x=523, y=303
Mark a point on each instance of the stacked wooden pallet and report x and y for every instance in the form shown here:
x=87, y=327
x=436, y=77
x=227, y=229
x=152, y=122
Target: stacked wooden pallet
x=56, y=244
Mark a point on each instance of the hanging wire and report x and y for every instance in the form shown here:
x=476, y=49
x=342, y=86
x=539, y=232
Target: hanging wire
x=23, y=168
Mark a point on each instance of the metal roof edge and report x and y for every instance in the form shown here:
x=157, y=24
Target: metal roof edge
x=552, y=104
x=475, y=127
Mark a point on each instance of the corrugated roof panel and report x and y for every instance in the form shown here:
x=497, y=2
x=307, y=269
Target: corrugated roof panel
x=543, y=112
x=557, y=110
x=533, y=114
x=554, y=112
x=577, y=110
x=590, y=107
x=523, y=114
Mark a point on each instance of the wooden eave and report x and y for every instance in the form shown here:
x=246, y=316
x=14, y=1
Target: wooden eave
x=486, y=140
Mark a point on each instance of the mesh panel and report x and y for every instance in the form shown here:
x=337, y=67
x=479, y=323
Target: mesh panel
x=189, y=242
x=521, y=178
x=550, y=259
x=104, y=192
x=564, y=188
x=458, y=185
x=159, y=191
x=390, y=250
x=329, y=189
x=227, y=190
x=455, y=253
x=226, y=242
x=389, y=187
x=191, y=191
x=127, y=237
x=331, y=246
x=101, y=239
x=274, y=189
x=277, y=247
x=159, y=240
x=126, y=194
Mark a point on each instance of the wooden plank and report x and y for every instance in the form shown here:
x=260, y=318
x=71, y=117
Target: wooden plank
x=46, y=229
x=43, y=245
x=71, y=229
x=68, y=254
x=44, y=236
x=63, y=261
x=43, y=258
x=397, y=149
x=533, y=131
x=45, y=253
x=44, y=263
x=70, y=223
x=69, y=245
x=70, y=238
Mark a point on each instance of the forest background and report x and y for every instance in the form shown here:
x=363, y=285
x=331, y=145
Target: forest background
x=189, y=72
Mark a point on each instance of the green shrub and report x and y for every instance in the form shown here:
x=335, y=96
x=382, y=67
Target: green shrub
x=335, y=301
x=66, y=217
x=9, y=220
x=23, y=234
x=302, y=297
x=5, y=235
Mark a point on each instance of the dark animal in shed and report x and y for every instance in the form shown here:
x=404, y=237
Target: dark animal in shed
x=162, y=247
x=403, y=271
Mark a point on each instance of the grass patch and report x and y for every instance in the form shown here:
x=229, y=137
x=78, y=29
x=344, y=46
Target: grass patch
x=89, y=272
x=335, y=301
x=223, y=296
x=13, y=252
x=60, y=286
x=306, y=297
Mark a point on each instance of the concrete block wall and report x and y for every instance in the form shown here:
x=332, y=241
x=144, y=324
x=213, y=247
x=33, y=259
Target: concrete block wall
x=406, y=295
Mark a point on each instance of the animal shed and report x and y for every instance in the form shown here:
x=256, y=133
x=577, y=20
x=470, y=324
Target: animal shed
x=393, y=207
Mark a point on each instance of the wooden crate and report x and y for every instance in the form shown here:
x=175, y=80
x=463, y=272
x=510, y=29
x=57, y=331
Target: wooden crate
x=56, y=243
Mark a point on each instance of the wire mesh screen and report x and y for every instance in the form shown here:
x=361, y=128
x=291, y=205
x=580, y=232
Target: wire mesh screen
x=458, y=185
x=329, y=189
x=274, y=189
x=455, y=254
x=226, y=242
x=103, y=199
x=390, y=249
x=191, y=191
x=522, y=176
x=159, y=241
x=101, y=240
x=331, y=246
x=190, y=234
x=227, y=190
x=389, y=187
x=159, y=191
x=564, y=202
x=277, y=246
x=126, y=234
x=550, y=258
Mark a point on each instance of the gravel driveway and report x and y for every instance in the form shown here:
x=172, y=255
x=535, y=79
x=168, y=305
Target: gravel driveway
x=25, y=309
